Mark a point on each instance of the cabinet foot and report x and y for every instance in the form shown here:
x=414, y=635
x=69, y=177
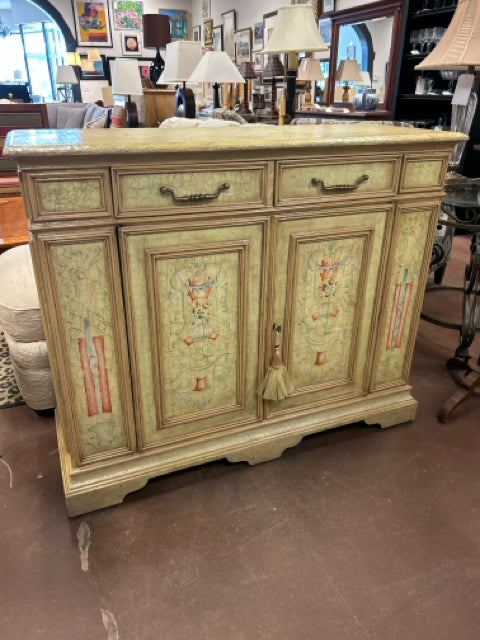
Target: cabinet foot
x=102, y=497
x=394, y=415
x=264, y=451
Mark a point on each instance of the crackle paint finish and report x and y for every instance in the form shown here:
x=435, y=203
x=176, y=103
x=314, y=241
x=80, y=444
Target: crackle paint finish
x=144, y=189
x=84, y=300
x=70, y=195
x=402, y=290
x=186, y=348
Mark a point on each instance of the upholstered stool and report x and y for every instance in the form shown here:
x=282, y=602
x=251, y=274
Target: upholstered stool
x=21, y=322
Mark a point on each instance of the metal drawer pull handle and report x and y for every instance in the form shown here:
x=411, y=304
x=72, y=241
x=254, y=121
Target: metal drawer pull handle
x=196, y=197
x=340, y=187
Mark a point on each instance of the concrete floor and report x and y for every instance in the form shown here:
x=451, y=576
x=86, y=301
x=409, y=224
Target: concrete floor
x=357, y=533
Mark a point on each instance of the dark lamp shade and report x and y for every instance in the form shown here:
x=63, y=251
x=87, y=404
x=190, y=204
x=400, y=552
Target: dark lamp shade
x=156, y=30
x=274, y=68
x=247, y=70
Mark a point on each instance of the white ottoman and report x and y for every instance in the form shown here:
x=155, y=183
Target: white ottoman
x=21, y=322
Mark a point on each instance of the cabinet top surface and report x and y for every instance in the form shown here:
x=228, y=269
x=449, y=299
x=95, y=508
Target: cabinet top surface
x=67, y=142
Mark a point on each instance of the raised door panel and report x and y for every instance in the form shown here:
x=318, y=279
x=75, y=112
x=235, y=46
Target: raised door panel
x=327, y=297
x=195, y=298
x=82, y=300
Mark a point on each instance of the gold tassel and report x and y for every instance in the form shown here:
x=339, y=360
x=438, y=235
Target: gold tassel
x=276, y=384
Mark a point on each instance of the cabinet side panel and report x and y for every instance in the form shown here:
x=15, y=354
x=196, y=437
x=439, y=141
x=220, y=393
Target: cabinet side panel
x=403, y=298
x=92, y=346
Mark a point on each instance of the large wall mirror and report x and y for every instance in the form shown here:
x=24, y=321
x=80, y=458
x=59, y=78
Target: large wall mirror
x=370, y=35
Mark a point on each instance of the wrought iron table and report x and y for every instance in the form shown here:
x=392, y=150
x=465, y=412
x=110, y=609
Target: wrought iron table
x=461, y=210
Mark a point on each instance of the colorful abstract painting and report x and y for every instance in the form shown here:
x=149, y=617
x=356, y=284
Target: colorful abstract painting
x=127, y=14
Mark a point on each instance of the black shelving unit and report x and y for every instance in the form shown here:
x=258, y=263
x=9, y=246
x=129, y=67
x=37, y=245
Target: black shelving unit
x=428, y=109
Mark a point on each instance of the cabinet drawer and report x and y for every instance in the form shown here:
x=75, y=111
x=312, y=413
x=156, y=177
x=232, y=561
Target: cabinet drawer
x=74, y=194
x=300, y=181
x=216, y=187
x=420, y=173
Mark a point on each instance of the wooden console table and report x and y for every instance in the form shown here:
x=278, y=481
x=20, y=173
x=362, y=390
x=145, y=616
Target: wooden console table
x=159, y=105
x=163, y=260
x=13, y=222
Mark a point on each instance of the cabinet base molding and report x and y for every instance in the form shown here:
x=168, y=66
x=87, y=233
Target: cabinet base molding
x=92, y=488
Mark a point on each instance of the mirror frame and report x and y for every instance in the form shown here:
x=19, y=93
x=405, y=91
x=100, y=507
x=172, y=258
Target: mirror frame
x=383, y=8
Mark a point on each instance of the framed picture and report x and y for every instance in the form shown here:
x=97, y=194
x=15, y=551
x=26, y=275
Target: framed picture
x=268, y=24
x=99, y=71
x=143, y=68
x=258, y=36
x=127, y=14
x=131, y=44
x=328, y=5
x=197, y=33
x=208, y=32
x=229, y=26
x=312, y=3
x=179, y=23
x=206, y=9
x=325, y=26
x=218, y=38
x=243, y=45
x=92, y=23
x=258, y=60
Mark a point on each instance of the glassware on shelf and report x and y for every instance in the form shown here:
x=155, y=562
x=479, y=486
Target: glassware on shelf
x=414, y=41
x=421, y=39
x=438, y=33
x=451, y=76
x=428, y=43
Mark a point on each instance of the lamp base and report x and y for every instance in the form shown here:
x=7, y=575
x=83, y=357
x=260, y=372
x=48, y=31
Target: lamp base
x=185, y=103
x=345, y=96
x=156, y=68
x=132, y=113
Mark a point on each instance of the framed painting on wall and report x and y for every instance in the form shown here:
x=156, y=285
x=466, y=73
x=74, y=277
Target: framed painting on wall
x=218, y=38
x=206, y=9
x=208, y=32
x=92, y=23
x=229, y=26
x=268, y=24
x=328, y=5
x=127, y=14
x=257, y=36
x=99, y=71
x=179, y=23
x=312, y=3
x=197, y=33
x=131, y=44
x=243, y=45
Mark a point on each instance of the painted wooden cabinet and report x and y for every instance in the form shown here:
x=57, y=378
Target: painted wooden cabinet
x=163, y=262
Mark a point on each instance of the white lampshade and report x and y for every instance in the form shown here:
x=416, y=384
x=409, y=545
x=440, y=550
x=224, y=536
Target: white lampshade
x=348, y=71
x=310, y=69
x=66, y=75
x=459, y=47
x=295, y=30
x=126, y=77
x=181, y=58
x=366, y=79
x=216, y=67
x=73, y=58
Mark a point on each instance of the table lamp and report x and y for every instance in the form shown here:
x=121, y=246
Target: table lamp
x=156, y=33
x=274, y=70
x=308, y=70
x=459, y=49
x=248, y=72
x=216, y=67
x=94, y=55
x=295, y=30
x=73, y=59
x=64, y=79
x=348, y=71
x=126, y=81
x=181, y=58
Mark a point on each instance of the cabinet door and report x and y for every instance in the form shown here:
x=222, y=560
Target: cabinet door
x=194, y=297
x=328, y=298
